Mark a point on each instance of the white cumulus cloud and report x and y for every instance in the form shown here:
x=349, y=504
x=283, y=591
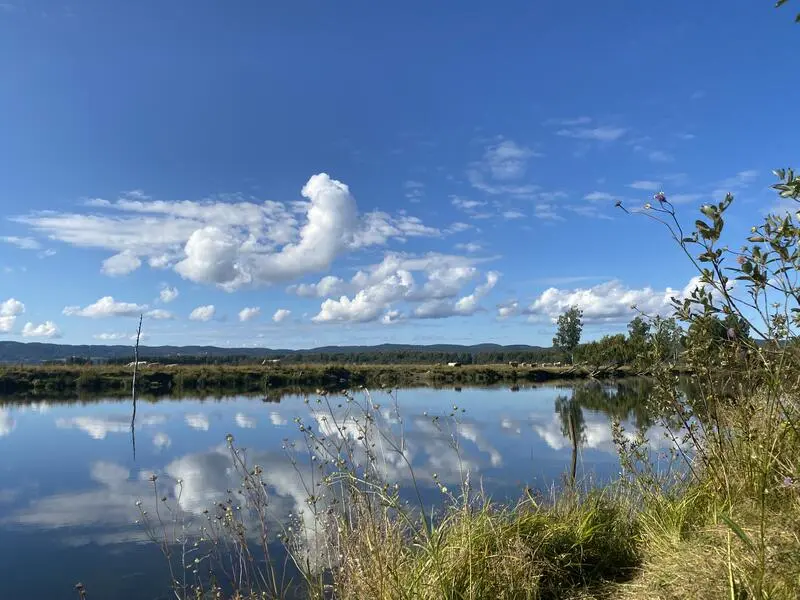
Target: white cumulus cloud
x=249, y=313
x=373, y=291
x=327, y=286
x=607, y=302
x=48, y=329
x=9, y=310
x=203, y=313
x=232, y=241
x=168, y=294
x=281, y=315
x=106, y=307
x=465, y=306
x=508, y=309
x=120, y=264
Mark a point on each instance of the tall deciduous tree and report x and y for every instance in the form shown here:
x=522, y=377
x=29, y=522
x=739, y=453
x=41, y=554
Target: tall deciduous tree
x=568, y=334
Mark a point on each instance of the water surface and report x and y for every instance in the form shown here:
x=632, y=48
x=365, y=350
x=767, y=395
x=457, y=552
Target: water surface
x=69, y=481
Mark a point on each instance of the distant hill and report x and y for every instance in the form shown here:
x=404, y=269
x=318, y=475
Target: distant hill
x=16, y=352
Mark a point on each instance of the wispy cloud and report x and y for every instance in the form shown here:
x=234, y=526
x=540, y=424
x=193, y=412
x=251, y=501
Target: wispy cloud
x=569, y=122
x=501, y=169
x=415, y=190
x=741, y=179
x=737, y=183
x=547, y=212
x=466, y=204
x=23, y=243
x=599, y=197
x=588, y=211
x=685, y=198
x=602, y=133
x=470, y=247
x=660, y=156
x=508, y=160
x=646, y=185
x=513, y=214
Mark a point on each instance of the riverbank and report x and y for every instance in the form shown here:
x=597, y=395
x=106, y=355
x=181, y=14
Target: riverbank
x=73, y=381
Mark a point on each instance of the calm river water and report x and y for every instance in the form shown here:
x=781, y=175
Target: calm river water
x=69, y=481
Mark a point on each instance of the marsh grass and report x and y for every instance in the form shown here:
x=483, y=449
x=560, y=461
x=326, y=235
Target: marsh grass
x=721, y=520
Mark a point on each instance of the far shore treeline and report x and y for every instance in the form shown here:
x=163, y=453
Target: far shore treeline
x=609, y=351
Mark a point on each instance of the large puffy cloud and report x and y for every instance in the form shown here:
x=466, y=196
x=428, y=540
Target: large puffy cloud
x=607, y=302
x=232, y=241
x=106, y=307
x=9, y=310
x=465, y=306
x=377, y=289
x=212, y=257
x=48, y=329
x=368, y=303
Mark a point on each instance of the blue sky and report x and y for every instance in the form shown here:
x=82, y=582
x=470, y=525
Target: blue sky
x=358, y=173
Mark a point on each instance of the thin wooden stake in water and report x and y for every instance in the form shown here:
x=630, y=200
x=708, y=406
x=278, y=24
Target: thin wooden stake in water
x=133, y=385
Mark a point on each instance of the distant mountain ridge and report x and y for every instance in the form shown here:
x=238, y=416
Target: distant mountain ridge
x=36, y=352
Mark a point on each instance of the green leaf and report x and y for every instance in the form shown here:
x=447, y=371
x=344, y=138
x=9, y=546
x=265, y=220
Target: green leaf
x=740, y=533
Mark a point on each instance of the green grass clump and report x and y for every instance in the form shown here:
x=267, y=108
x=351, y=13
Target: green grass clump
x=525, y=552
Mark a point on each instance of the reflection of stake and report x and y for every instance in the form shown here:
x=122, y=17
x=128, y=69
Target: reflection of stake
x=133, y=386
x=573, y=434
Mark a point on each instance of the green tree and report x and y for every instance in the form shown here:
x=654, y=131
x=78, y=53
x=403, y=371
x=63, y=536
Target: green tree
x=568, y=334
x=638, y=329
x=666, y=339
